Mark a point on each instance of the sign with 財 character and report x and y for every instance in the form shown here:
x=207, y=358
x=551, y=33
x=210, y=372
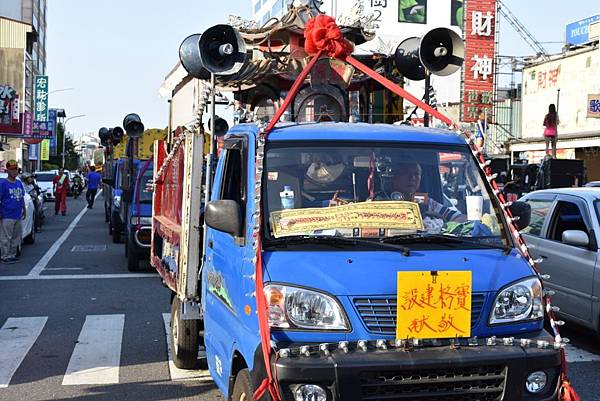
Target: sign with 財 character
x=40, y=107
x=434, y=304
x=480, y=53
x=593, y=106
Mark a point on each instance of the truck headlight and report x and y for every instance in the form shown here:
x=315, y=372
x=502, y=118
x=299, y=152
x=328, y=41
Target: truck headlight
x=117, y=201
x=291, y=307
x=519, y=301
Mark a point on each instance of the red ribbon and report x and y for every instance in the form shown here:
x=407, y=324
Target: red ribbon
x=322, y=34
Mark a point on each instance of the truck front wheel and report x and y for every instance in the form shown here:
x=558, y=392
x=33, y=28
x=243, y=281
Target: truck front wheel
x=185, y=336
x=242, y=389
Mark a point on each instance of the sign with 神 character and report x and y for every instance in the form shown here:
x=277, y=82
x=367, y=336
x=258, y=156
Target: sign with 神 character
x=480, y=52
x=434, y=304
x=365, y=215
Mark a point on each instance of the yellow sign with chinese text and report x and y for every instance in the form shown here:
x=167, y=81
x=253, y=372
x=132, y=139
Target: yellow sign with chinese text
x=399, y=215
x=434, y=304
x=45, y=149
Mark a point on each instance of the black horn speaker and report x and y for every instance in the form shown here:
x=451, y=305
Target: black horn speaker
x=189, y=55
x=221, y=126
x=104, y=136
x=442, y=51
x=222, y=50
x=133, y=125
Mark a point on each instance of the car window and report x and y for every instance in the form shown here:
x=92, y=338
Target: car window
x=568, y=216
x=539, y=211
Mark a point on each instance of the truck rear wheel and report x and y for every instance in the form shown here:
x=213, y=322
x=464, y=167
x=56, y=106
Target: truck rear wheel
x=116, y=235
x=133, y=260
x=185, y=337
x=242, y=389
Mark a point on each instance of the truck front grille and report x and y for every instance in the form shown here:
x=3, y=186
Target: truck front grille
x=379, y=313
x=480, y=383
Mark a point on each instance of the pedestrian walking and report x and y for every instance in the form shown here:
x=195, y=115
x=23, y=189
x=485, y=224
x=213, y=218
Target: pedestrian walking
x=93, y=184
x=551, y=122
x=60, y=186
x=12, y=211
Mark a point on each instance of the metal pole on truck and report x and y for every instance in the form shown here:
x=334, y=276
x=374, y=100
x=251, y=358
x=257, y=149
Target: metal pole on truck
x=209, y=159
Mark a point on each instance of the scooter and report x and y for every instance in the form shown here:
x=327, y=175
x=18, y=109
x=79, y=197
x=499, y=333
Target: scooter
x=77, y=189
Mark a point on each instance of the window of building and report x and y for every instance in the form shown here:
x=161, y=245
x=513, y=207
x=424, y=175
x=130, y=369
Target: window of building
x=266, y=17
x=257, y=6
x=277, y=8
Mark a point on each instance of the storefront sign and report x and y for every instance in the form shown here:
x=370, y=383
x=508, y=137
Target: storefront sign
x=53, y=118
x=434, y=304
x=45, y=149
x=41, y=98
x=578, y=33
x=593, y=106
x=34, y=151
x=537, y=156
x=7, y=105
x=480, y=51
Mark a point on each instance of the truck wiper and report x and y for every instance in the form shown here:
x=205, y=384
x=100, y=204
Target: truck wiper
x=336, y=240
x=439, y=239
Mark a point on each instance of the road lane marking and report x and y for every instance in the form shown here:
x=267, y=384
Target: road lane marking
x=43, y=262
x=176, y=373
x=17, y=336
x=78, y=276
x=97, y=354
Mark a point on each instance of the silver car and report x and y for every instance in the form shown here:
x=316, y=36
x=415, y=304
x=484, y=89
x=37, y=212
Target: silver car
x=564, y=232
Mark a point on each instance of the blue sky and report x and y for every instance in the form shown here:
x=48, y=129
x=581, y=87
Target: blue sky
x=115, y=53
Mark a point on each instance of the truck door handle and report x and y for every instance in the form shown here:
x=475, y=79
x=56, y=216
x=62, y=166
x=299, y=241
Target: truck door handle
x=210, y=244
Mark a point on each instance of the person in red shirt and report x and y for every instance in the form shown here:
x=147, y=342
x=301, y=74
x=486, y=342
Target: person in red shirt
x=60, y=185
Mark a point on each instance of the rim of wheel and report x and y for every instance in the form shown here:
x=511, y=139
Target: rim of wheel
x=175, y=333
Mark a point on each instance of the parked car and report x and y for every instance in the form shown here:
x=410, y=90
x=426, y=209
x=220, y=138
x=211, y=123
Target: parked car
x=564, y=232
x=592, y=184
x=44, y=180
x=27, y=226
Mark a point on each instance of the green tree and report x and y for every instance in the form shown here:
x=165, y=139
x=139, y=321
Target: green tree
x=71, y=157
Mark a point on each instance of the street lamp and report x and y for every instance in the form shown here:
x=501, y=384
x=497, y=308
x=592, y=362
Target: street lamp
x=60, y=90
x=65, y=135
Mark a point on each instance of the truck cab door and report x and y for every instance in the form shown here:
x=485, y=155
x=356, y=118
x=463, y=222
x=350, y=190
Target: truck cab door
x=224, y=284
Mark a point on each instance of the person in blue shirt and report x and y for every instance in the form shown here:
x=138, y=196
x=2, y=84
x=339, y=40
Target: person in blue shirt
x=12, y=211
x=94, y=179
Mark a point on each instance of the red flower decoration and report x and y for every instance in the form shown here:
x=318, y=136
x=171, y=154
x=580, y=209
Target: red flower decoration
x=322, y=33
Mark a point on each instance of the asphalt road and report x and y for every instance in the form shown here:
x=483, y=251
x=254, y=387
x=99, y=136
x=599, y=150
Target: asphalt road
x=83, y=324
x=76, y=325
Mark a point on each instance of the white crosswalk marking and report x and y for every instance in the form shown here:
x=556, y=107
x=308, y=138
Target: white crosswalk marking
x=97, y=354
x=17, y=336
x=176, y=373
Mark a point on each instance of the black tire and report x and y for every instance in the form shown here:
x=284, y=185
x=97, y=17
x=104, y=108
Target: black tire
x=116, y=236
x=30, y=239
x=185, y=338
x=133, y=259
x=242, y=389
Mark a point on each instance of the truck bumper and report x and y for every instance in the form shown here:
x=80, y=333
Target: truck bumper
x=434, y=373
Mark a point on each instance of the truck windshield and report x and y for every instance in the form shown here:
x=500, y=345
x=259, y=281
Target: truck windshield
x=383, y=192
x=145, y=187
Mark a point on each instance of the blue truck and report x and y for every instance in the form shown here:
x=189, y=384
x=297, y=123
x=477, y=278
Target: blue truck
x=139, y=217
x=377, y=285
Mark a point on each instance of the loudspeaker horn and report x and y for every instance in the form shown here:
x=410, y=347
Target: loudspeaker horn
x=442, y=51
x=189, y=55
x=103, y=134
x=407, y=60
x=133, y=125
x=118, y=133
x=222, y=50
x=221, y=126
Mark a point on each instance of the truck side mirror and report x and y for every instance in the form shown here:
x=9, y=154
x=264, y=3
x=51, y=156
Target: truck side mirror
x=109, y=181
x=523, y=211
x=127, y=195
x=575, y=238
x=224, y=215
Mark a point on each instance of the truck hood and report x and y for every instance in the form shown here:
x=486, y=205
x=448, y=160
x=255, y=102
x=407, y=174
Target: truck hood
x=355, y=273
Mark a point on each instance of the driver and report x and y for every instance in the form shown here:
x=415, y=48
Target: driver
x=406, y=182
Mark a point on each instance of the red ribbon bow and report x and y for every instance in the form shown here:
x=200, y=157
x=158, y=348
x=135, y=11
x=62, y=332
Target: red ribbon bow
x=323, y=34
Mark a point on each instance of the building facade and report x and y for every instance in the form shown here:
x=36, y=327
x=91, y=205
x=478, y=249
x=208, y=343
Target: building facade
x=570, y=80
x=22, y=57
